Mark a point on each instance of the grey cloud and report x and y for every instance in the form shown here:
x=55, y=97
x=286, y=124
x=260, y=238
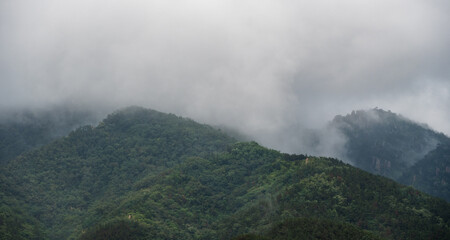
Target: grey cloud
x=264, y=67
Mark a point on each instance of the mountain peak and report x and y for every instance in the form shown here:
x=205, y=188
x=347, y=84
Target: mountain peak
x=363, y=118
x=384, y=142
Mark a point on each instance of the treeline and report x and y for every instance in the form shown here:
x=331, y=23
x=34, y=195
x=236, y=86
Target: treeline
x=142, y=174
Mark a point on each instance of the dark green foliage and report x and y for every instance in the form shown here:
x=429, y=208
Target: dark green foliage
x=14, y=224
x=385, y=143
x=150, y=175
x=95, y=165
x=249, y=188
x=432, y=173
x=250, y=237
x=329, y=189
x=26, y=130
x=313, y=228
x=120, y=230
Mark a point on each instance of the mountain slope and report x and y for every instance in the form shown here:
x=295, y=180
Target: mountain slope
x=60, y=181
x=15, y=222
x=312, y=228
x=385, y=143
x=21, y=131
x=143, y=174
x=432, y=173
x=249, y=189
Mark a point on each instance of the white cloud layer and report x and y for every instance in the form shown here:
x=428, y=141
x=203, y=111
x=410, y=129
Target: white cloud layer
x=264, y=67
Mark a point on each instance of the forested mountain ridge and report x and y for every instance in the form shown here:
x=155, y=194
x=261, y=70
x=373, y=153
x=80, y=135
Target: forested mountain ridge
x=384, y=143
x=250, y=189
x=432, y=173
x=97, y=164
x=143, y=174
x=24, y=130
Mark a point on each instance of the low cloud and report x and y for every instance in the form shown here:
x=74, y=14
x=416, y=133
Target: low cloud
x=271, y=69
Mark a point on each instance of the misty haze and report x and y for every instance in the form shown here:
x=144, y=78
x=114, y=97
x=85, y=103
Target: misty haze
x=262, y=67
x=107, y=105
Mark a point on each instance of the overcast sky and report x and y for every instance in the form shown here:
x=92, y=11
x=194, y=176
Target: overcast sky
x=265, y=67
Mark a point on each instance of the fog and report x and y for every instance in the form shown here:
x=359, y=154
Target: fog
x=273, y=70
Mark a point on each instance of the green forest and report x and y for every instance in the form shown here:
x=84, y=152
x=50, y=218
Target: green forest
x=143, y=174
x=387, y=144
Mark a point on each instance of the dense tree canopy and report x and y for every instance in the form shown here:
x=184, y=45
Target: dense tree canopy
x=387, y=144
x=151, y=175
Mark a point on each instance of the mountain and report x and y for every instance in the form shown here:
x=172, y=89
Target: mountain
x=311, y=228
x=387, y=144
x=62, y=179
x=15, y=220
x=143, y=174
x=249, y=189
x=432, y=173
x=24, y=130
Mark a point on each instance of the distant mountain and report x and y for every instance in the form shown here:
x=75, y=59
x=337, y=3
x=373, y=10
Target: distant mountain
x=143, y=174
x=23, y=130
x=384, y=143
x=432, y=173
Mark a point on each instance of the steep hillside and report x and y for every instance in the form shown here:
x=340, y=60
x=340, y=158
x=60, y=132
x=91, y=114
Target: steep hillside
x=21, y=131
x=385, y=143
x=142, y=174
x=15, y=221
x=58, y=182
x=432, y=173
x=312, y=228
x=250, y=189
